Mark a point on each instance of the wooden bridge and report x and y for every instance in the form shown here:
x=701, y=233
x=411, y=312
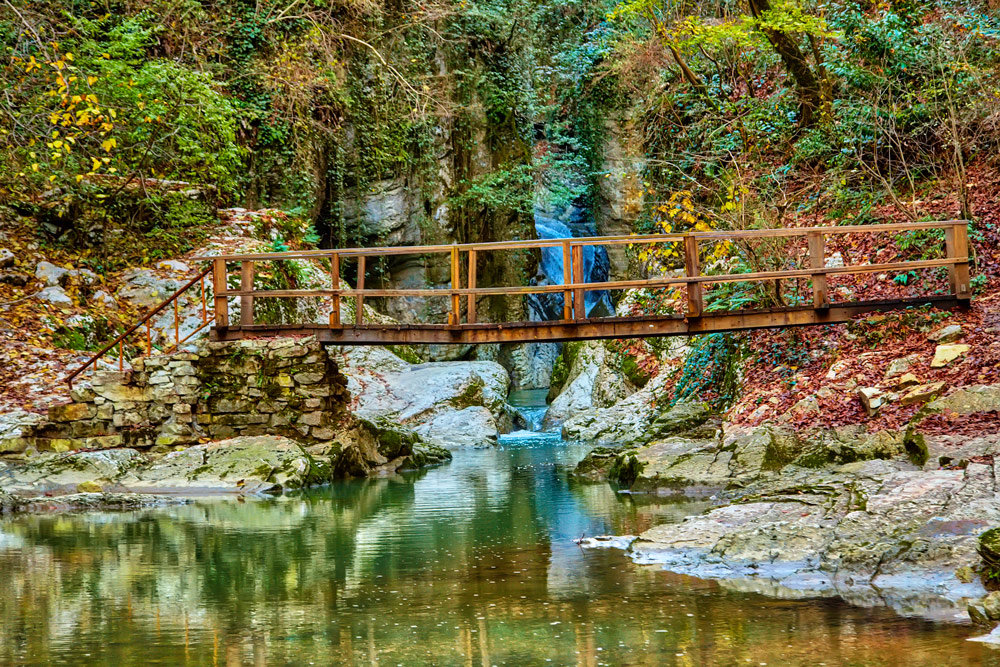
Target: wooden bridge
x=464, y=326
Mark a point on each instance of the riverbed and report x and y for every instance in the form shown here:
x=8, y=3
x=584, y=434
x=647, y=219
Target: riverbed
x=470, y=563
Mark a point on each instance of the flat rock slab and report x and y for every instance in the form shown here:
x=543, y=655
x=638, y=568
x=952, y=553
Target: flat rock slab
x=257, y=464
x=253, y=464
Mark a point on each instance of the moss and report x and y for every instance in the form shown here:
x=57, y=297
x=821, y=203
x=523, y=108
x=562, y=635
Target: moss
x=630, y=369
x=989, y=551
x=560, y=370
x=626, y=469
x=781, y=450
x=406, y=353
x=916, y=448
x=470, y=396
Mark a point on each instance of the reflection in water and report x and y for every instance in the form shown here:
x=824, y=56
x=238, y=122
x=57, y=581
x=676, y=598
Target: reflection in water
x=468, y=564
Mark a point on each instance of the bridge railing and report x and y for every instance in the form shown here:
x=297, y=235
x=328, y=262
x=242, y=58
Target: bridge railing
x=171, y=337
x=574, y=287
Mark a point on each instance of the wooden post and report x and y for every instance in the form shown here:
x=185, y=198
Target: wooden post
x=335, y=300
x=817, y=260
x=693, y=270
x=957, y=245
x=567, y=279
x=359, y=303
x=470, y=315
x=455, y=316
x=246, y=285
x=219, y=285
x=579, y=298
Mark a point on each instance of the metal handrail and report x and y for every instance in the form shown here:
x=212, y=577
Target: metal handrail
x=120, y=340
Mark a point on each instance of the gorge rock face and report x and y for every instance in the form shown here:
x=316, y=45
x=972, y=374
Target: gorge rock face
x=592, y=381
x=451, y=404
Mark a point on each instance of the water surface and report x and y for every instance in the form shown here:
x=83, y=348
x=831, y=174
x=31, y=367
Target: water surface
x=472, y=563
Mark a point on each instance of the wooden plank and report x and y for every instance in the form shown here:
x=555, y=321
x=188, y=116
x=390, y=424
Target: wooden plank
x=219, y=287
x=579, y=295
x=246, y=286
x=335, y=284
x=567, y=261
x=790, y=232
x=817, y=260
x=611, y=327
x=695, y=298
x=957, y=246
x=471, y=305
x=359, y=303
x=455, y=316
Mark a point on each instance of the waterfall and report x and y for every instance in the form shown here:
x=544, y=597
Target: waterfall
x=570, y=222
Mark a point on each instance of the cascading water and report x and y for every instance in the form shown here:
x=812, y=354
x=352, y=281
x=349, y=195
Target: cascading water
x=570, y=222
x=534, y=361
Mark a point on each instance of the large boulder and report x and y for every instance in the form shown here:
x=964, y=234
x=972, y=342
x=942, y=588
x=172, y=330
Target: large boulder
x=451, y=404
x=592, y=381
x=249, y=464
x=143, y=288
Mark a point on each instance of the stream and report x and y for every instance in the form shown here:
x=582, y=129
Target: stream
x=471, y=563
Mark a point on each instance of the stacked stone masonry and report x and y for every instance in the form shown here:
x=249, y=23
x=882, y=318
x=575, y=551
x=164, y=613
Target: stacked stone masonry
x=219, y=390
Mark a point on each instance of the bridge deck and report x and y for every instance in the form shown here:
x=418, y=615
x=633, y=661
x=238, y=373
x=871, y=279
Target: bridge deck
x=806, y=263
x=587, y=329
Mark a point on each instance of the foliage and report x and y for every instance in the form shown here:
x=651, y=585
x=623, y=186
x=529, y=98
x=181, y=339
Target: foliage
x=709, y=372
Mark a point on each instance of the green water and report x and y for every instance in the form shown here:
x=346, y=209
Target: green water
x=471, y=563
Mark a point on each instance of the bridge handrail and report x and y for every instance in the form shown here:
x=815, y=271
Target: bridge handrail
x=573, y=287
x=621, y=239
x=119, y=342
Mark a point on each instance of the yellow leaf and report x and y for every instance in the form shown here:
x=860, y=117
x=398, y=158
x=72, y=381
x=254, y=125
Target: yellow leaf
x=91, y=80
x=108, y=144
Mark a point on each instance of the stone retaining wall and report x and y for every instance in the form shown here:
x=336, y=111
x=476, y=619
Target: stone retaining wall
x=287, y=387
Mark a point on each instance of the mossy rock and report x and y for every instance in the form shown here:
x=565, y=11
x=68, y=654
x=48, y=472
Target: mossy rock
x=681, y=418
x=596, y=464
x=626, y=469
x=989, y=551
x=562, y=367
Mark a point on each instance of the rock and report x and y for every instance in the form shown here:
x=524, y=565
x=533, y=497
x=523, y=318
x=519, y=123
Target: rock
x=174, y=266
x=899, y=366
x=683, y=417
x=64, y=473
x=429, y=397
x=945, y=354
x=871, y=528
x=592, y=381
x=145, y=289
x=991, y=605
x=948, y=334
x=82, y=276
x=472, y=427
x=906, y=380
x=871, y=398
x=54, y=295
x=14, y=278
x=103, y=298
x=248, y=464
x=922, y=393
x=51, y=275
x=89, y=487
x=969, y=400
x=70, y=412
x=837, y=369
x=627, y=422
x=6, y=258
